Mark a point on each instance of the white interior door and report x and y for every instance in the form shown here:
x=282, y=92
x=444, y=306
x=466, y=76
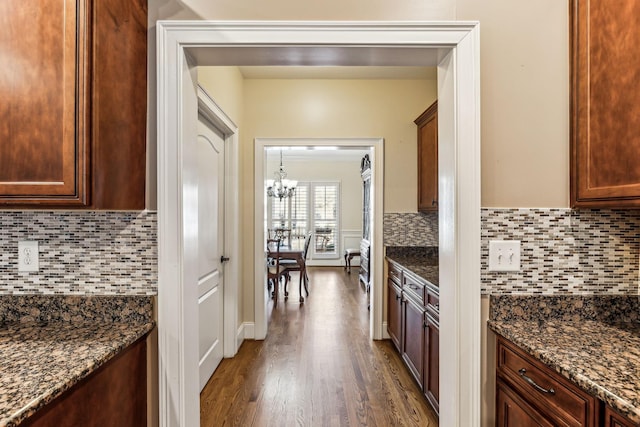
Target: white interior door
x=210, y=247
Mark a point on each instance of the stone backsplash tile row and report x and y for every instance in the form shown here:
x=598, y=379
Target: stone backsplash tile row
x=564, y=251
x=81, y=253
x=411, y=229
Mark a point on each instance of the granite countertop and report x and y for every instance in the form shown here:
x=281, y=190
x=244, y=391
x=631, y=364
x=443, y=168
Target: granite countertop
x=421, y=261
x=596, y=353
x=40, y=359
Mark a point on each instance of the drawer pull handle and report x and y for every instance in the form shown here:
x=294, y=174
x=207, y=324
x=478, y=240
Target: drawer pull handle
x=522, y=373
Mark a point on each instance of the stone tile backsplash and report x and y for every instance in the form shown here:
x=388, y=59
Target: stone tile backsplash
x=411, y=229
x=81, y=253
x=564, y=251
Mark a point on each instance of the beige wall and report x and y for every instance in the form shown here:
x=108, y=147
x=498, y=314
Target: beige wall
x=357, y=10
x=226, y=86
x=345, y=109
x=525, y=101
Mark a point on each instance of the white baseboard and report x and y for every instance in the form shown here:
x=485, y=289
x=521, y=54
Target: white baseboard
x=385, y=334
x=245, y=331
x=249, y=330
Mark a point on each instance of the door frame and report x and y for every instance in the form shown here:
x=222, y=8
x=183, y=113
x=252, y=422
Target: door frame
x=377, y=249
x=182, y=45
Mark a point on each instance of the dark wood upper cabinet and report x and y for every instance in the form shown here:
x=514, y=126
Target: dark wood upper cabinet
x=605, y=109
x=73, y=111
x=427, y=124
x=44, y=109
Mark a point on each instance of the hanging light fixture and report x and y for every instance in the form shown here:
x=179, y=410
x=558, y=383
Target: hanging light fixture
x=281, y=187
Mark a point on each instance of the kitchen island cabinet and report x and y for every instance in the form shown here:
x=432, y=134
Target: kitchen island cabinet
x=73, y=108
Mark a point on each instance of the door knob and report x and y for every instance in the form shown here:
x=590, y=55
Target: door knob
x=223, y=258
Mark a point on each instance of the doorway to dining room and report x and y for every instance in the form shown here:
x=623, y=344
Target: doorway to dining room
x=324, y=197
x=324, y=168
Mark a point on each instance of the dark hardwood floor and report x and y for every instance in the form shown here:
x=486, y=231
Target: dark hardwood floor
x=317, y=367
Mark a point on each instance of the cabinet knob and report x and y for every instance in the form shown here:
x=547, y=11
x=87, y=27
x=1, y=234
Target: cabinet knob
x=434, y=202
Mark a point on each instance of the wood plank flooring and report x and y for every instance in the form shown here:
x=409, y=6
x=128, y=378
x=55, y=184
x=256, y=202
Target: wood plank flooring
x=317, y=367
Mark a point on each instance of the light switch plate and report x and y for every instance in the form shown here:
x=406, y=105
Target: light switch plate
x=504, y=255
x=28, y=256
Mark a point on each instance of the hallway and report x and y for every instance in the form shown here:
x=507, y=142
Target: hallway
x=317, y=367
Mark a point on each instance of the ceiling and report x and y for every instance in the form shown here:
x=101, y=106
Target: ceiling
x=338, y=72
x=300, y=55
x=318, y=153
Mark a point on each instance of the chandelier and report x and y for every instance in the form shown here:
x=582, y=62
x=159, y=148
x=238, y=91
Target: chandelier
x=281, y=187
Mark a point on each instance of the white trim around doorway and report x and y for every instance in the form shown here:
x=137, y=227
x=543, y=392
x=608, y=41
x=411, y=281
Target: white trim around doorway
x=453, y=47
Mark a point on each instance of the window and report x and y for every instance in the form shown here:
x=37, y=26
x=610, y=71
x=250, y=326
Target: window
x=314, y=207
x=325, y=219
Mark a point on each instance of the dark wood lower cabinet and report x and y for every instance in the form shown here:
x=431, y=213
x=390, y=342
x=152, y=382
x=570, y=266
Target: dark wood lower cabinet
x=114, y=395
x=394, y=320
x=432, y=360
x=613, y=419
x=513, y=411
x=529, y=393
x=413, y=318
x=413, y=337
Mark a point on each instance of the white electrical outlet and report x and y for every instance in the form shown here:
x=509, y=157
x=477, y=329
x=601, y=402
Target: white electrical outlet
x=504, y=255
x=28, y=256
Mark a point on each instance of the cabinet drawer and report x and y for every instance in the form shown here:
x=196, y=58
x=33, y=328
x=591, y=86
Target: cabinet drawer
x=433, y=300
x=413, y=287
x=395, y=274
x=545, y=388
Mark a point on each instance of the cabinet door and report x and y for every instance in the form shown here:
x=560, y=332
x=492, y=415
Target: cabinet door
x=428, y=159
x=432, y=361
x=512, y=411
x=394, y=318
x=44, y=151
x=605, y=82
x=413, y=337
x=613, y=419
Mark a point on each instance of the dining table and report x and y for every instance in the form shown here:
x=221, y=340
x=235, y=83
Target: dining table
x=294, y=251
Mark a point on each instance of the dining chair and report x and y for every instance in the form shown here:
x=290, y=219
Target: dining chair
x=293, y=265
x=275, y=271
x=284, y=234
